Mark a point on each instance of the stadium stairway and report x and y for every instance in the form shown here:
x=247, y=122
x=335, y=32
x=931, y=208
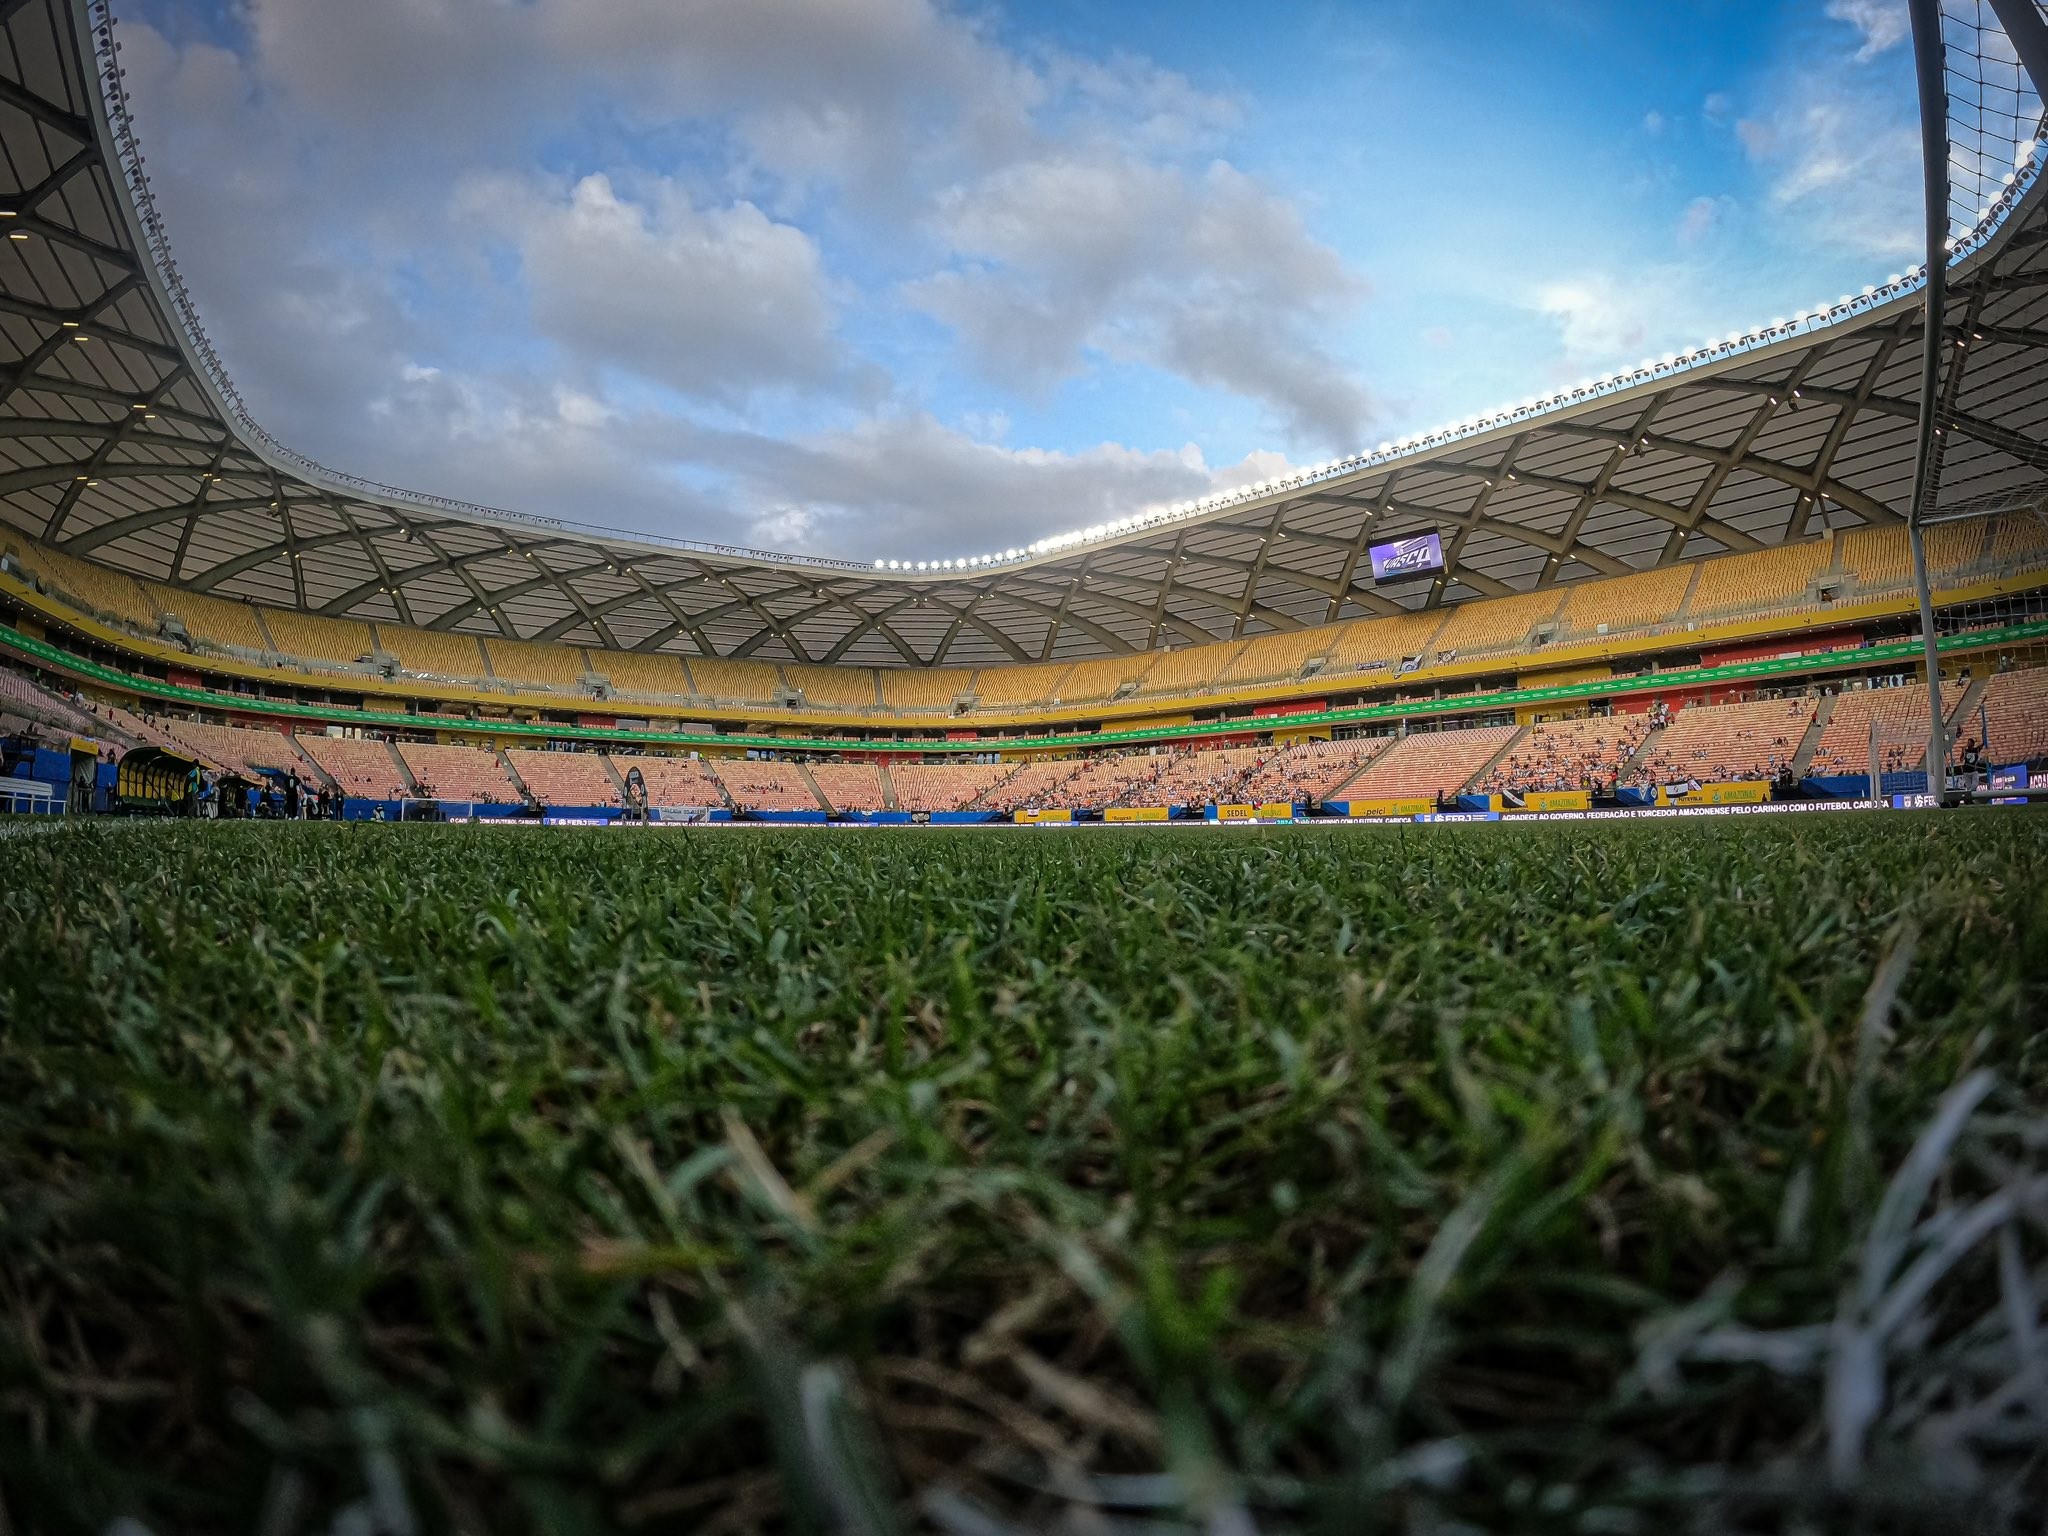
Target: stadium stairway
x=505, y=767
x=313, y=765
x=404, y=768
x=1962, y=722
x=1336, y=791
x=882, y=772
x=618, y=779
x=1488, y=766
x=1641, y=754
x=1807, y=743
x=803, y=772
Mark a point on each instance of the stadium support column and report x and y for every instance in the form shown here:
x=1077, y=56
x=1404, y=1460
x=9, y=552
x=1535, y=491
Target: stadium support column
x=1927, y=57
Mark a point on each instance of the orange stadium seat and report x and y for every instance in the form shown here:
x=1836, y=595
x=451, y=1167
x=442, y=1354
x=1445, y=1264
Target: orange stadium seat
x=213, y=620
x=924, y=690
x=524, y=661
x=2014, y=718
x=1091, y=681
x=737, y=682
x=1429, y=763
x=649, y=674
x=2020, y=540
x=1022, y=687
x=1496, y=624
x=849, y=786
x=433, y=653
x=246, y=751
x=93, y=587
x=1725, y=743
x=1568, y=754
x=1376, y=644
x=312, y=638
x=1767, y=580
x=459, y=773
x=1625, y=602
x=1881, y=559
x=359, y=767
x=564, y=778
x=847, y=688
x=1312, y=770
x=944, y=786
x=1901, y=716
x=765, y=786
x=1117, y=778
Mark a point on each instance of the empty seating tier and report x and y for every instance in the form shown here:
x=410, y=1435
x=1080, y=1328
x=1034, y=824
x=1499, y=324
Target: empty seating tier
x=459, y=773
x=1721, y=743
x=1626, y=602
x=524, y=661
x=359, y=767
x=93, y=587
x=1278, y=658
x=1770, y=579
x=849, y=688
x=2014, y=717
x=1901, y=718
x=317, y=639
x=1568, y=754
x=564, y=778
x=245, y=751
x=1426, y=764
x=924, y=690
x=211, y=620
x=1503, y=624
x=850, y=786
x=943, y=786
x=1092, y=681
x=650, y=674
x=1192, y=670
x=431, y=653
x=1023, y=687
x=759, y=786
x=1373, y=645
x=737, y=682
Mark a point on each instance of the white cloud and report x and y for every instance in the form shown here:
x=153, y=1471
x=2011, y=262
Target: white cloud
x=1208, y=274
x=1702, y=216
x=716, y=303
x=1882, y=24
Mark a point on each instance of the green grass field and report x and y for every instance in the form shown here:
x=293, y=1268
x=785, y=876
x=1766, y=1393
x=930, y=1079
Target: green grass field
x=1564, y=1178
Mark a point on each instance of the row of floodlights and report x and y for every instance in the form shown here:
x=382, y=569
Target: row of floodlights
x=1650, y=368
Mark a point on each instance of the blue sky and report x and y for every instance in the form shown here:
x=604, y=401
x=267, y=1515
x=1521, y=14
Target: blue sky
x=900, y=277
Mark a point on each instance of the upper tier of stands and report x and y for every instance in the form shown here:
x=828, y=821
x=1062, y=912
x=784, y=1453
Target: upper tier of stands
x=1722, y=742
x=1782, y=581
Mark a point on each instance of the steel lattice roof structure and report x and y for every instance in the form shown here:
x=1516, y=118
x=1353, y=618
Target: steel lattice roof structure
x=122, y=440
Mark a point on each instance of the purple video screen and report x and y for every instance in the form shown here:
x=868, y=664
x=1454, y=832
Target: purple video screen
x=1420, y=554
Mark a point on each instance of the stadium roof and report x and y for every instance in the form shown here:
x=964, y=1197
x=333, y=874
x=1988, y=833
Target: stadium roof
x=123, y=440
